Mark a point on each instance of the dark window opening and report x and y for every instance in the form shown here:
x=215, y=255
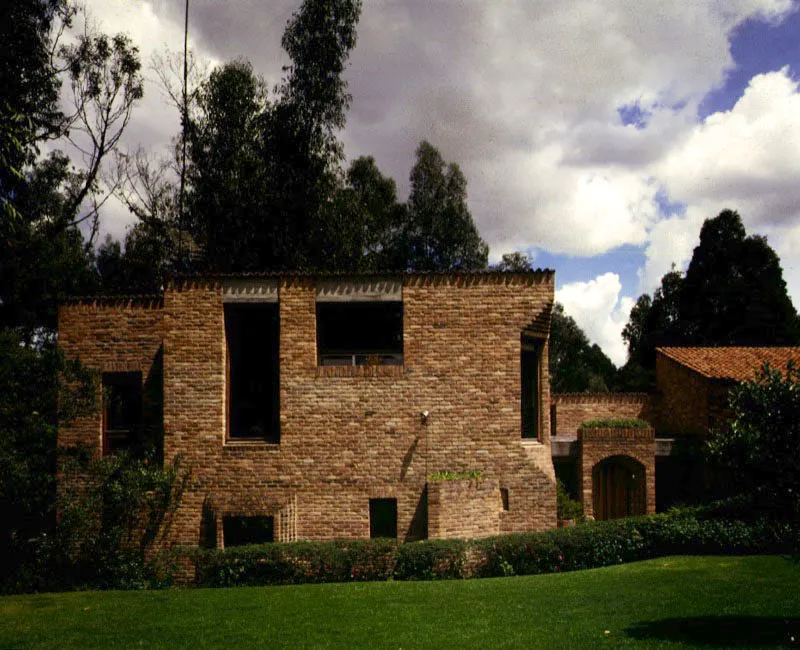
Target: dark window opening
x=122, y=412
x=252, y=335
x=504, y=498
x=529, y=365
x=383, y=518
x=360, y=333
x=238, y=531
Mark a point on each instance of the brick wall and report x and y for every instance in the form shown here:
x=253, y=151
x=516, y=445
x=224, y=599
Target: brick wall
x=683, y=399
x=569, y=410
x=598, y=445
x=464, y=509
x=109, y=335
x=347, y=435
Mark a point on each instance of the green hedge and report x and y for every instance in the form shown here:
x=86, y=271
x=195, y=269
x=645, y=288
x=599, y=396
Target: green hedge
x=615, y=423
x=433, y=559
x=596, y=544
x=297, y=563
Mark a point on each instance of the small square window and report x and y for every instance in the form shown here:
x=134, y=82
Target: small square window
x=383, y=518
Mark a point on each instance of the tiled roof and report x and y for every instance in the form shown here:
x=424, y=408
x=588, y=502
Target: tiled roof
x=736, y=363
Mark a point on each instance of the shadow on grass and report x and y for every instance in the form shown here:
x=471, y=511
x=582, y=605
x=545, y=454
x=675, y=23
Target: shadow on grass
x=726, y=631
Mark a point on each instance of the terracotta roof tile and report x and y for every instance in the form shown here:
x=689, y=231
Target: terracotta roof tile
x=736, y=363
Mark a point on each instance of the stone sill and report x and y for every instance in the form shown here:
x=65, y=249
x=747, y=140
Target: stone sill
x=251, y=444
x=531, y=442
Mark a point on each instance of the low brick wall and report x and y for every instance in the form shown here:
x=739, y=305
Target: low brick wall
x=464, y=509
x=597, y=445
x=569, y=410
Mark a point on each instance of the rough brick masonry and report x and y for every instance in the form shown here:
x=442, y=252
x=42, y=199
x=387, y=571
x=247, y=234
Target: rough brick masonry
x=346, y=434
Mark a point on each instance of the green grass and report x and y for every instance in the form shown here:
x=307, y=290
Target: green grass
x=668, y=602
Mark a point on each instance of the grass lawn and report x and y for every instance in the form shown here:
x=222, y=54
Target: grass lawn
x=668, y=602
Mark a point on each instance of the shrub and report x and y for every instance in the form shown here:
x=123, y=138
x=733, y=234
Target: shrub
x=446, y=475
x=297, y=563
x=596, y=544
x=568, y=508
x=433, y=559
x=761, y=447
x=615, y=423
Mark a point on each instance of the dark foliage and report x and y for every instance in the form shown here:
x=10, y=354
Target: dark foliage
x=733, y=293
x=576, y=366
x=761, y=446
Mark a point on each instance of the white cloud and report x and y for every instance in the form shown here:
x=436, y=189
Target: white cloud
x=600, y=311
x=524, y=96
x=744, y=159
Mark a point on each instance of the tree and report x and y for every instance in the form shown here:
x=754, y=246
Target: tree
x=301, y=145
x=379, y=215
x=734, y=292
x=515, y=261
x=576, y=366
x=439, y=232
x=46, y=199
x=227, y=177
x=761, y=447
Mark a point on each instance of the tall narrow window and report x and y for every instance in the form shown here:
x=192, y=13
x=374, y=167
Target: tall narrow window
x=252, y=335
x=383, y=518
x=360, y=333
x=529, y=366
x=122, y=412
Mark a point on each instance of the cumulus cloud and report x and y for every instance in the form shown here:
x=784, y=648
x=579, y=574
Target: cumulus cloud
x=527, y=98
x=745, y=159
x=600, y=311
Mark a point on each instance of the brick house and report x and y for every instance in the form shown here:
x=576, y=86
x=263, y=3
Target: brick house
x=630, y=472
x=319, y=406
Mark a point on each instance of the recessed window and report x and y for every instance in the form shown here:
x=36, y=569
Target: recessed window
x=360, y=333
x=383, y=518
x=252, y=336
x=530, y=361
x=122, y=412
x=504, y=498
x=238, y=531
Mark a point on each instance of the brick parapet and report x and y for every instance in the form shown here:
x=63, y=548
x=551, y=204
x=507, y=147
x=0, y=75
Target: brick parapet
x=569, y=410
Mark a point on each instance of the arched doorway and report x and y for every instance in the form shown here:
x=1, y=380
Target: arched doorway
x=618, y=488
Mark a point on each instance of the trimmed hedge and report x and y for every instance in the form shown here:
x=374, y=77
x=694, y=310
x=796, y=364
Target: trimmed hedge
x=596, y=544
x=297, y=563
x=615, y=423
x=433, y=559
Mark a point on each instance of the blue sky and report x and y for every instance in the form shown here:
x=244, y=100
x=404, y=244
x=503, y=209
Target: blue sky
x=596, y=136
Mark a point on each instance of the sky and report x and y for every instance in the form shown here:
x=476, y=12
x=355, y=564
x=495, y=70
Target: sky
x=595, y=136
